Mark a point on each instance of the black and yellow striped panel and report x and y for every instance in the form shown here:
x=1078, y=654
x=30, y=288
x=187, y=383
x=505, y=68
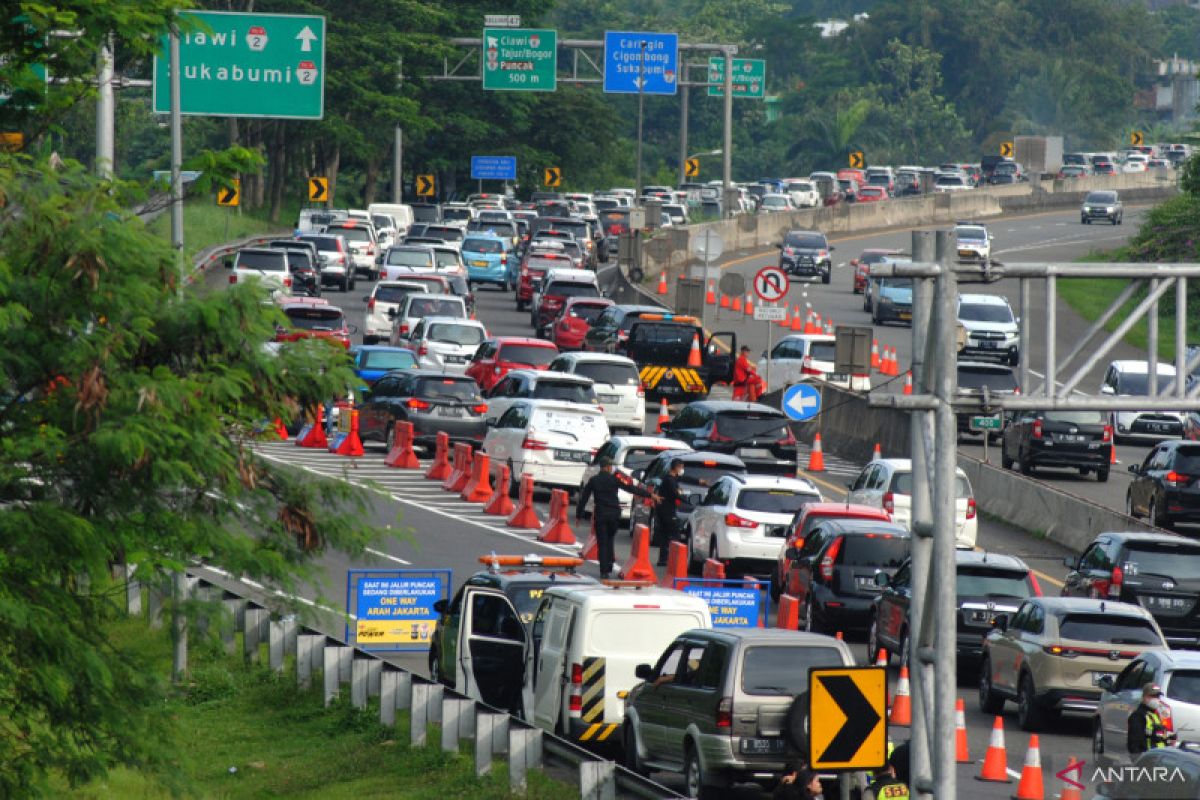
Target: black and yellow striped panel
x=593, y=690
x=598, y=732
x=650, y=376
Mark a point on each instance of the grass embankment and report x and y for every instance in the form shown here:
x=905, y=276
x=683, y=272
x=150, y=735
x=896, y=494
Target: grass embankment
x=243, y=732
x=206, y=224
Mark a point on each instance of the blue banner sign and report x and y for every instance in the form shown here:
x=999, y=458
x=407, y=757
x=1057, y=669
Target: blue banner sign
x=732, y=603
x=643, y=61
x=393, y=609
x=493, y=168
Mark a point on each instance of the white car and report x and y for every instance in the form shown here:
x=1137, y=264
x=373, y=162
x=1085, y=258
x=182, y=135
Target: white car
x=629, y=454
x=1177, y=673
x=537, y=384
x=362, y=240
x=269, y=266
x=993, y=331
x=618, y=386
x=333, y=255
x=383, y=303
x=804, y=193
x=449, y=259
x=1131, y=379
x=951, y=182
x=776, y=202
x=403, y=257
x=744, y=519
x=418, y=306
x=551, y=441
x=446, y=343
x=974, y=241
x=887, y=483
x=802, y=357
x=1135, y=163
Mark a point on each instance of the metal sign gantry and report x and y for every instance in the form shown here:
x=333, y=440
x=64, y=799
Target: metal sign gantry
x=936, y=276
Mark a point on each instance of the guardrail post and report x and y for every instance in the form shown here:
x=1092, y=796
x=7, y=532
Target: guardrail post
x=524, y=754
x=389, y=680
x=290, y=631
x=597, y=780
x=358, y=682
x=133, y=591
x=202, y=594
x=485, y=725
x=436, y=693
x=275, y=640
x=500, y=727
x=419, y=715
x=345, y=664
x=331, y=684
x=457, y=722
x=252, y=632
x=155, y=595
x=306, y=644
x=404, y=692
x=235, y=608
x=374, y=677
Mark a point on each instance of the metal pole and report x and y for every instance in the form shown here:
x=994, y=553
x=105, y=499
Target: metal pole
x=707, y=259
x=685, y=91
x=770, y=325
x=176, y=159
x=398, y=167
x=1051, y=323
x=179, y=628
x=641, y=110
x=1180, y=336
x=105, y=113
x=1025, y=328
x=727, y=176
x=1152, y=344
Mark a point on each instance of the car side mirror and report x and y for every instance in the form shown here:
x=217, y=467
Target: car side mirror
x=1107, y=683
x=832, y=248
x=1000, y=623
x=1135, y=468
x=1069, y=562
x=440, y=606
x=639, y=474
x=882, y=579
x=643, y=672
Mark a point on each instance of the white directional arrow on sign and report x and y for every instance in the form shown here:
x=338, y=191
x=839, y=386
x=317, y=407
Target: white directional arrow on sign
x=306, y=37
x=801, y=403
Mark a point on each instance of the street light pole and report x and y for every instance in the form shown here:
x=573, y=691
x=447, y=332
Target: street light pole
x=641, y=107
x=727, y=178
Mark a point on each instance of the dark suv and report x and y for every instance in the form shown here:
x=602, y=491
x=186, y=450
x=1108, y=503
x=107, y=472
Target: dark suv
x=1073, y=439
x=611, y=328
x=1166, y=486
x=978, y=378
x=759, y=435
x=1158, y=571
x=836, y=570
x=988, y=585
x=806, y=254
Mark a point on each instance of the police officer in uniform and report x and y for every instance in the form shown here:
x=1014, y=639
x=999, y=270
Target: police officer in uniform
x=665, y=519
x=606, y=514
x=1146, y=730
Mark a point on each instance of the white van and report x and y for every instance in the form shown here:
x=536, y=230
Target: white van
x=584, y=646
x=401, y=213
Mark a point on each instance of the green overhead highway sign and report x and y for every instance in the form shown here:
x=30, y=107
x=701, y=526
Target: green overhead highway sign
x=520, y=59
x=749, y=77
x=246, y=65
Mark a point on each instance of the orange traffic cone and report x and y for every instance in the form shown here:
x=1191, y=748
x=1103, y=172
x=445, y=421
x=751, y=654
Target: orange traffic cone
x=694, y=357
x=901, y=713
x=724, y=301
x=1070, y=788
x=280, y=429
x=737, y=303
x=809, y=325
x=785, y=322
x=797, y=322
x=710, y=297
x=662, y=282
x=1030, y=787
x=908, y=382
x=961, y=753
x=881, y=660
x=995, y=762
x=889, y=361
x=664, y=416
x=877, y=453
x=749, y=305
x=875, y=361
x=816, y=456
x=1112, y=454
x=829, y=327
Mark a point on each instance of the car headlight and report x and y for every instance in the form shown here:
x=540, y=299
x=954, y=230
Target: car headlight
x=1087, y=209
x=1110, y=209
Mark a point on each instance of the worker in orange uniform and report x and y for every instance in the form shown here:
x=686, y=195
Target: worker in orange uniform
x=747, y=385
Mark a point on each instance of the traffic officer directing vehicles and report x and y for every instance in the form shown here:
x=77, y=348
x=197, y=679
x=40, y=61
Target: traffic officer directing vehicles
x=664, y=513
x=1146, y=728
x=606, y=513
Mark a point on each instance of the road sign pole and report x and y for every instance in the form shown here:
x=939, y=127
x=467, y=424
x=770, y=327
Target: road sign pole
x=176, y=158
x=727, y=178
x=398, y=167
x=641, y=109
x=105, y=114
x=684, y=91
x=770, y=325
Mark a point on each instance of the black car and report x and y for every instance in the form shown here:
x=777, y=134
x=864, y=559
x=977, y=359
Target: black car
x=1166, y=486
x=836, y=568
x=759, y=435
x=1158, y=571
x=988, y=585
x=974, y=377
x=1080, y=440
x=806, y=254
x=611, y=328
x=700, y=470
x=432, y=401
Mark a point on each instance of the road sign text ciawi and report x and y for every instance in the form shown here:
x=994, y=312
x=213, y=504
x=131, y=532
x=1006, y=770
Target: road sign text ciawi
x=304, y=73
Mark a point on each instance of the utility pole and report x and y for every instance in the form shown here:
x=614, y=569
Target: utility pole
x=398, y=167
x=727, y=195
x=105, y=111
x=641, y=108
x=176, y=159
x=685, y=90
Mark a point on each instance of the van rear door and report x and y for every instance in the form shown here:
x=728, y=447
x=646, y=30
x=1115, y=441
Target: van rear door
x=491, y=649
x=550, y=674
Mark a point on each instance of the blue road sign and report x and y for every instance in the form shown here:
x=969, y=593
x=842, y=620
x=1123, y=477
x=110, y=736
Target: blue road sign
x=732, y=603
x=801, y=401
x=393, y=609
x=623, y=64
x=493, y=168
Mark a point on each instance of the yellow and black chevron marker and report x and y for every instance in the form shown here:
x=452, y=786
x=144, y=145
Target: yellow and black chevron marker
x=598, y=732
x=592, y=707
x=687, y=378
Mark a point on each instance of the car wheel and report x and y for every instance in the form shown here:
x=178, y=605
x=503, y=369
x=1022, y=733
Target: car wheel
x=1030, y=715
x=1014, y=359
x=514, y=483
x=902, y=650
x=1114, y=221
x=810, y=617
x=633, y=762
x=694, y=778
x=827, y=277
x=1156, y=517
x=435, y=666
x=390, y=439
x=712, y=549
x=1102, y=475
x=1097, y=738
x=776, y=589
x=989, y=701
x=1129, y=509
x=520, y=306
x=345, y=284
x=873, y=642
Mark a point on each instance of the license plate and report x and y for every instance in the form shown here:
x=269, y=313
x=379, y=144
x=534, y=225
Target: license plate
x=904, y=315
x=755, y=452
x=450, y=411
x=1097, y=676
x=455, y=359
x=571, y=455
x=762, y=746
x=1073, y=438
x=1157, y=427
x=1166, y=602
x=865, y=582
x=609, y=398
x=987, y=344
x=479, y=263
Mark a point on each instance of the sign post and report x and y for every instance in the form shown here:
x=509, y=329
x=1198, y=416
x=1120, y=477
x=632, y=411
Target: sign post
x=392, y=609
x=627, y=70
x=708, y=247
x=986, y=424
x=520, y=60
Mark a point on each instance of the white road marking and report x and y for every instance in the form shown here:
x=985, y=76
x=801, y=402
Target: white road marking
x=388, y=556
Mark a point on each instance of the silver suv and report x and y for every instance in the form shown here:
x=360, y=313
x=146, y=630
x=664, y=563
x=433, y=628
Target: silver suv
x=715, y=706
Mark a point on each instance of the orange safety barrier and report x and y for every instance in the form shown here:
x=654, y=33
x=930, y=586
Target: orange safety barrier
x=788, y=616
x=525, y=516
x=962, y=753
x=441, y=468
x=591, y=550
x=349, y=444
x=457, y=470
x=677, y=565
x=557, y=529
x=1030, y=787
x=280, y=430
x=402, y=455
x=901, y=713
x=713, y=569
x=638, y=567
x=501, y=504
x=313, y=434
x=478, y=488
x=995, y=762
x=468, y=457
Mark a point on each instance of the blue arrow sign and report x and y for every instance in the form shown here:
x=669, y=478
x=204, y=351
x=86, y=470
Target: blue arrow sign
x=625, y=68
x=801, y=401
x=493, y=168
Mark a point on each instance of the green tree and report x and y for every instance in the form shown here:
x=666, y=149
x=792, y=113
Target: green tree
x=827, y=139
x=921, y=124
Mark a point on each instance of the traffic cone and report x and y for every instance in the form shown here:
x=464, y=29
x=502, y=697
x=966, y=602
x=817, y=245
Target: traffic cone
x=829, y=327
x=314, y=435
x=710, y=297
x=662, y=282
x=280, y=430
x=1030, y=787
x=901, y=713
x=694, y=357
x=1112, y=454
x=875, y=360
x=889, y=361
x=350, y=445
x=816, y=456
x=785, y=322
x=908, y=382
x=749, y=305
x=797, y=322
x=1070, y=788
x=664, y=414
x=724, y=301
x=995, y=762
x=881, y=660
x=817, y=327
x=809, y=325
x=961, y=754
x=877, y=453
x=737, y=303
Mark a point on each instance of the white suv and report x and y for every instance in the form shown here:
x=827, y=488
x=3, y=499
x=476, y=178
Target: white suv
x=536, y=384
x=446, y=343
x=617, y=383
x=553, y=442
x=993, y=332
x=974, y=241
x=1131, y=379
x=744, y=519
x=383, y=303
x=887, y=483
x=268, y=265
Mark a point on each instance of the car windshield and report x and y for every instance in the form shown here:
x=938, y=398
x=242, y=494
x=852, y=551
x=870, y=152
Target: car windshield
x=298, y=260
x=395, y=294
x=586, y=311
x=380, y=221
x=397, y=257
x=1002, y=380
x=949, y=180
x=775, y=501
x=435, y=307
x=902, y=484
x=984, y=312
x=449, y=388
x=640, y=457
x=775, y=201
x=527, y=354
x=800, y=186
x=273, y=261
x=1187, y=459
x=873, y=550
x=1179, y=562
x=315, y=319
x=971, y=233
x=456, y=214
x=1138, y=383
x=822, y=351
x=607, y=373
x=1107, y=629
x=483, y=246
x=387, y=359
x=805, y=242
x=1101, y=197
x=783, y=670
x=447, y=233
x=454, y=334
x=737, y=425
x=324, y=243
x=701, y=474
x=538, y=263
x=1184, y=686
x=569, y=391
x=571, y=289
x=426, y=214
x=1005, y=167
x=526, y=597
x=982, y=581
x=1077, y=417
x=447, y=258
x=895, y=283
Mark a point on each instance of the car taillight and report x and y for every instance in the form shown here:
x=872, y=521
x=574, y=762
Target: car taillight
x=1059, y=650
x=371, y=306
x=1037, y=429
x=233, y=278
x=576, y=701
x=826, y=568
x=641, y=390
x=970, y=508
x=1164, y=713
x=717, y=436
x=1114, y=583
x=481, y=408
x=552, y=302
x=1106, y=437
x=724, y=718
x=807, y=368
x=734, y=521
x=889, y=503
x=1175, y=480
x=530, y=443
x=422, y=350
x=287, y=282
x=417, y=404
x=1034, y=586
x=404, y=327
x=503, y=258
x=788, y=440
x=370, y=249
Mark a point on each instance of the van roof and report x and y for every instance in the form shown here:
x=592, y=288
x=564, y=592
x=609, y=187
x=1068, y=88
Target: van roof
x=604, y=596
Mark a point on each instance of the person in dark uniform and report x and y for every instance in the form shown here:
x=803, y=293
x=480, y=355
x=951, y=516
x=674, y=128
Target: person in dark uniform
x=1146, y=729
x=606, y=513
x=665, y=518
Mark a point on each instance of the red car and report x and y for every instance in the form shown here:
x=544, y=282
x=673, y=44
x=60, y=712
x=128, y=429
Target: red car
x=575, y=320
x=535, y=265
x=784, y=576
x=313, y=318
x=872, y=194
x=862, y=265
x=497, y=356
x=1104, y=168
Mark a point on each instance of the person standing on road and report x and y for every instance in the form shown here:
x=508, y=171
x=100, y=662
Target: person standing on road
x=1146, y=730
x=747, y=385
x=665, y=513
x=606, y=510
